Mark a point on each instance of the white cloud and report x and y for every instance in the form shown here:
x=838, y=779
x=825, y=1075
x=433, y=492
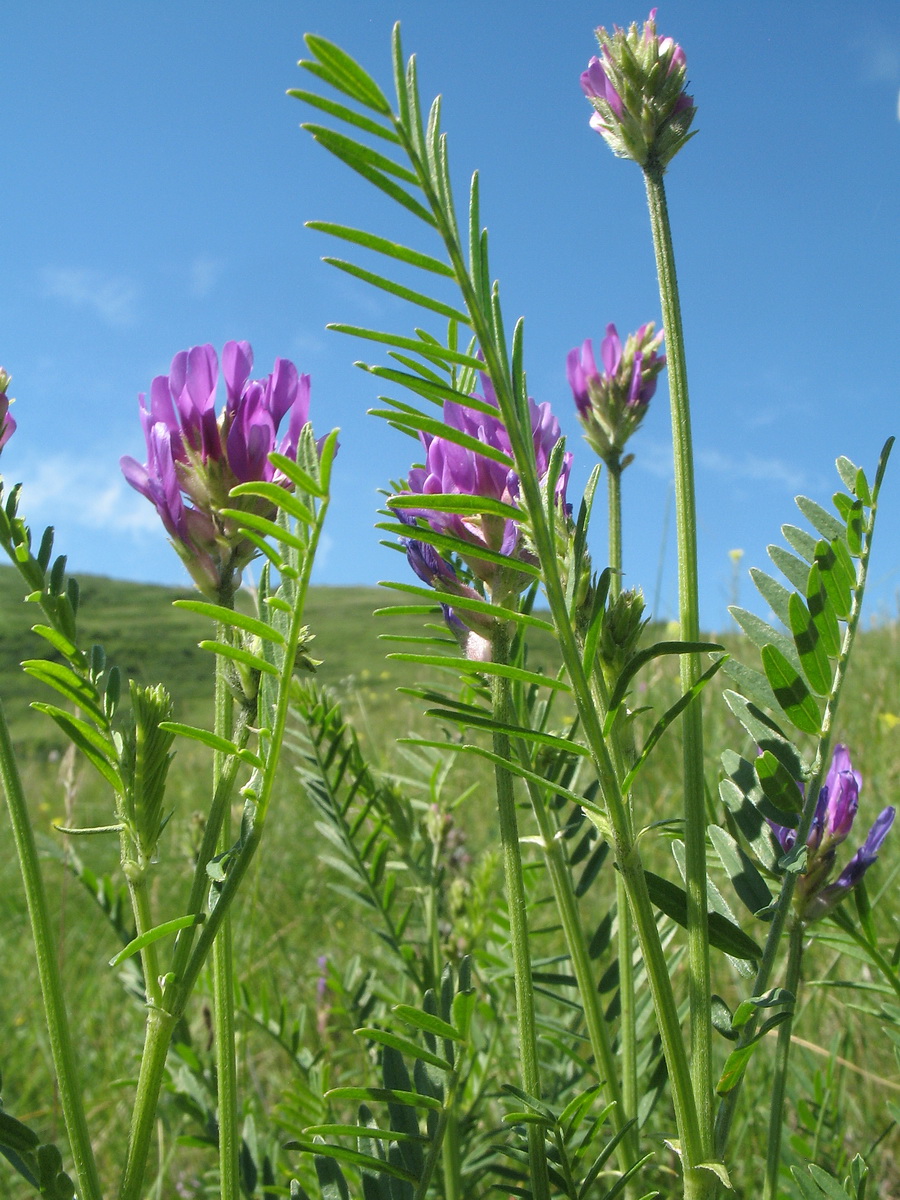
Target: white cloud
x=61, y=484
x=759, y=470
x=112, y=298
x=203, y=275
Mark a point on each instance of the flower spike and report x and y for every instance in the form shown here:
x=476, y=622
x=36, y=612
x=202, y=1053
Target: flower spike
x=611, y=403
x=832, y=822
x=195, y=458
x=636, y=86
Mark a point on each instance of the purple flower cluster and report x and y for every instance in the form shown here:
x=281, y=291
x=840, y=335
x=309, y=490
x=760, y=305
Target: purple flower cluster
x=834, y=816
x=453, y=469
x=195, y=458
x=637, y=89
x=611, y=403
x=7, y=423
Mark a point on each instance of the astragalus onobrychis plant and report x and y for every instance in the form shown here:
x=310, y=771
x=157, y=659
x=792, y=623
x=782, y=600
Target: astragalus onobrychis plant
x=612, y=1020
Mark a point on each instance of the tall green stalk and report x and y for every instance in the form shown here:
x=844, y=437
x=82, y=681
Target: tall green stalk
x=518, y=915
x=625, y=935
x=782, y=1056
x=45, y=948
x=222, y=957
x=689, y=618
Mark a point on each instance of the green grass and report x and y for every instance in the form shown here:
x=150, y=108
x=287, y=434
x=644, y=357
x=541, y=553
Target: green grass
x=285, y=921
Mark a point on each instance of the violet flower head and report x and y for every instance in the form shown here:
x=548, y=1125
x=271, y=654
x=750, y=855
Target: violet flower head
x=7, y=423
x=611, y=402
x=454, y=469
x=195, y=458
x=836, y=809
x=636, y=87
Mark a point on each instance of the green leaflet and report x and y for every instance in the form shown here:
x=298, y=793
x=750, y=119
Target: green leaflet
x=300, y=478
x=672, y=900
x=420, y=299
x=232, y=617
x=778, y=784
x=385, y=1096
x=462, y=505
x=460, y=602
x=454, y=545
x=837, y=574
x=153, y=935
x=432, y=350
x=820, y=519
x=639, y=660
x=775, y=593
x=93, y=745
x=790, y=691
x=265, y=528
x=342, y=72
x=64, y=680
x=795, y=570
x=239, y=655
x=405, y=1046
x=761, y=633
x=749, y=886
x=812, y=651
x=287, y=501
x=464, y=666
x=381, y=245
x=429, y=1022
x=804, y=543
x=365, y=1162
x=349, y=115
x=821, y=607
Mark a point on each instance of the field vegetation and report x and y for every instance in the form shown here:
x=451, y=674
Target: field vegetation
x=311, y=963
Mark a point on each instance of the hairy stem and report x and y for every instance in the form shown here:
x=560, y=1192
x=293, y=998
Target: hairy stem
x=518, y=917
x=222, y=957
x=689, y=617
x=625, y=934
x=782, y=1055
x=160, y=1025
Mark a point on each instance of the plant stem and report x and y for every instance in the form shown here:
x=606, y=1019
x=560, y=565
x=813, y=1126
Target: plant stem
x=222, y=958
x=625, y=935
x=567, y=906
x=782, y=1055
x=614, y=492
x=64, y=1060
x=140, y=903
x=689, y=618
x=160, y=1025
x=698, y=1182
x=518, y=917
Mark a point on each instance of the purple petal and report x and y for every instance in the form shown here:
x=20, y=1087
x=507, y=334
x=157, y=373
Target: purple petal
x=237, y=363
x=611, y=350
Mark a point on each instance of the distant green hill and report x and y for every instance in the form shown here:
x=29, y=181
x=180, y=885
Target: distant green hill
x=153, y=642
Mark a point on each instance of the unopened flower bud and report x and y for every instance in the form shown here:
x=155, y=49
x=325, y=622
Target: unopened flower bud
x=611, y=403
x=637, y=89
x=620, y=633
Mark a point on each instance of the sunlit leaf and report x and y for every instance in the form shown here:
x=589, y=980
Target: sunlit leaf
x=790, y=691
x=811, y=648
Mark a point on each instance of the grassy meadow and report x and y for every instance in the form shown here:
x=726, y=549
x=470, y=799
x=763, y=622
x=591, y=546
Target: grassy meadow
x=296, y=1032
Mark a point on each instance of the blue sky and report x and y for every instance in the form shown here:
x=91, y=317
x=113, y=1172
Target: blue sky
x=156, y=184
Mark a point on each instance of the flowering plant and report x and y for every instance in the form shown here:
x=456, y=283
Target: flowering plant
x=832, y=821
x=473, y=1037
x=195, y=458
